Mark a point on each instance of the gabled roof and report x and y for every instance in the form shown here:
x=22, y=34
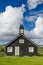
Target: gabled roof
x=13, y=40
x=30, y=40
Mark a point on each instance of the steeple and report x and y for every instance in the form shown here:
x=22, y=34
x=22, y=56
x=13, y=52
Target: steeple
x=21, y=29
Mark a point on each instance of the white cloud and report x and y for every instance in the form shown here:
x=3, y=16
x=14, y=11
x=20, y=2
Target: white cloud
x=37, y=33
x=38, y=41
x=10, y=20
x=37, y=13
x=30, y=18
x=38, y=30
x=33, y=3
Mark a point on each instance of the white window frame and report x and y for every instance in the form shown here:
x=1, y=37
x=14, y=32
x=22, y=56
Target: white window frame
x=31, y=49
x=9, y=49
x=21, y=40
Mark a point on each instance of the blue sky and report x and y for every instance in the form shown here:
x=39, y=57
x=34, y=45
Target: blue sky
x=15, y=12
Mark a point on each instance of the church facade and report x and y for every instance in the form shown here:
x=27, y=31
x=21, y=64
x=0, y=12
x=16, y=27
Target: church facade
x=21, y=45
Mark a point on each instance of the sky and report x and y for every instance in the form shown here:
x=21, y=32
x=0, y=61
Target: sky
x=26, y=12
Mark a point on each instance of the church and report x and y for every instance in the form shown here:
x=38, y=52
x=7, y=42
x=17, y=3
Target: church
x=21, y=45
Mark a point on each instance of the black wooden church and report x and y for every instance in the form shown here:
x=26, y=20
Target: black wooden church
x=21, y=45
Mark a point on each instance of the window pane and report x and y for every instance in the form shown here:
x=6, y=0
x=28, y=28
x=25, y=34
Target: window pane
x=9, y=49
x=31, y=49
x=21, y=41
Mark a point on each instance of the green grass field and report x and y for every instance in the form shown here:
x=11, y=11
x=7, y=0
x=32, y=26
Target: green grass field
x=12, y=60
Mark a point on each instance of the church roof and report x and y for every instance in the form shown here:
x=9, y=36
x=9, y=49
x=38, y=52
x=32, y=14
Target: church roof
x=13, y=40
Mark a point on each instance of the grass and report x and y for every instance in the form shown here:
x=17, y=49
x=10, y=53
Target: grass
x=26, y=60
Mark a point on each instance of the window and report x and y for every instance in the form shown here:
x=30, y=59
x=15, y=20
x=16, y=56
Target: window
x=9, y=49
x=21, y=31
x=31, y=49
x=21, y=40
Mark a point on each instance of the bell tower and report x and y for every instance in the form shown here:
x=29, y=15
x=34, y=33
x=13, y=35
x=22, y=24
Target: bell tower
x=21, y=29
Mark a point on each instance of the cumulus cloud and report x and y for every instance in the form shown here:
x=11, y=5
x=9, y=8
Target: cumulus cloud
x=37, y=32
x=39, y=25
x=10, y=20
x=33, y=3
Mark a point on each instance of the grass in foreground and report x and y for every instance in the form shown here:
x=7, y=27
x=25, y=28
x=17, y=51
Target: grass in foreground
x=12, y=60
